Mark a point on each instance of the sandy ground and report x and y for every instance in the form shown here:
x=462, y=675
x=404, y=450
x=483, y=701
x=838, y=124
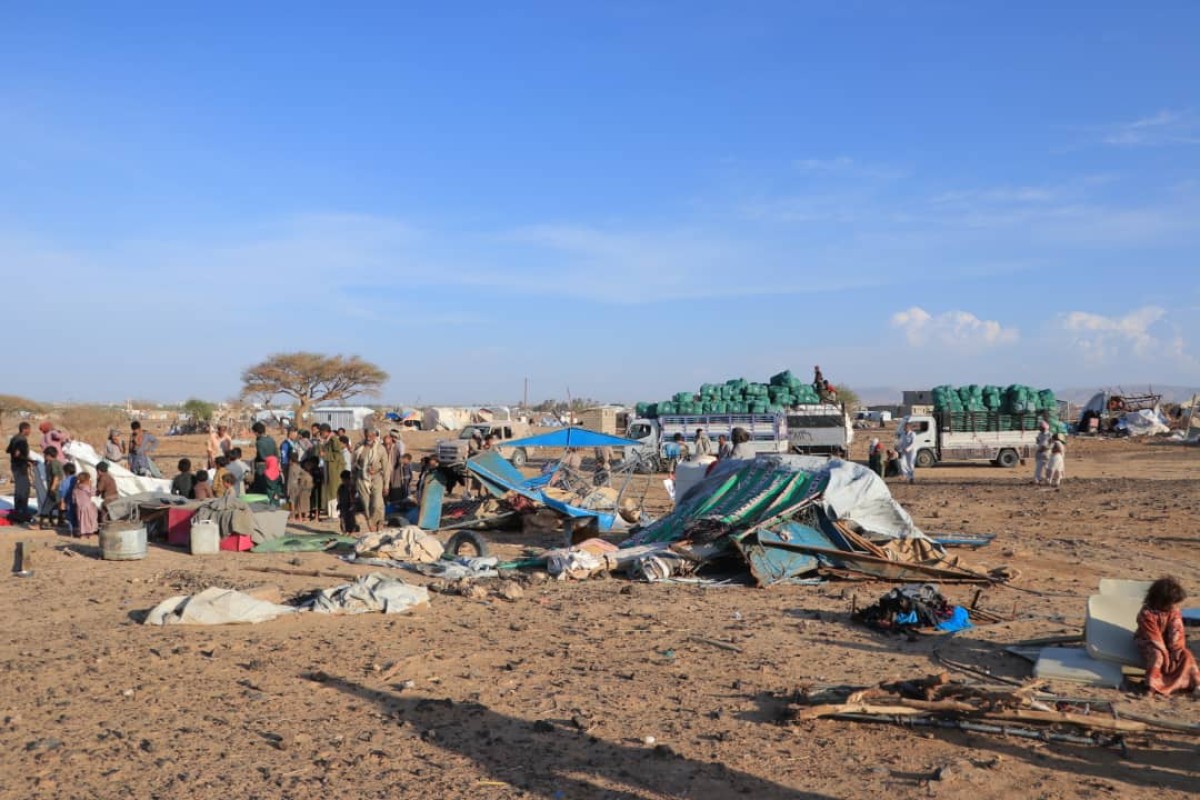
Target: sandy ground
x=554, y=694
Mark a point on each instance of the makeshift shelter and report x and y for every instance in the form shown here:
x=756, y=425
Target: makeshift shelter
x=439, y=418
x=791, y=516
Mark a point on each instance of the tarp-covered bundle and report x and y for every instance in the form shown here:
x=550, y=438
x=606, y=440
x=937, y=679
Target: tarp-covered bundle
x=789, y=516
x=1015, y=399
x=736, y=396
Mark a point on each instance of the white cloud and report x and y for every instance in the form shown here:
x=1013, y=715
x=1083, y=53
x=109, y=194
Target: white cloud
x=1102, y=338
x=825, y=164
x=1158, y=130
x=951, y=329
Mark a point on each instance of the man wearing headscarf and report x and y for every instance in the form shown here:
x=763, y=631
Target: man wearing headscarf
x=742, y=449
x=1041, y=471
x=875, y=457
x=370, y=468
x=330, y=451
x=53, y=437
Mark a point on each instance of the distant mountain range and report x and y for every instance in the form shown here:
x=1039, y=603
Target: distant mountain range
x=891, y=395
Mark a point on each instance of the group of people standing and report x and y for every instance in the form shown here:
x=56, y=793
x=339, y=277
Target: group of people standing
x=66, y=499
x=738, y=449
x=319, y=471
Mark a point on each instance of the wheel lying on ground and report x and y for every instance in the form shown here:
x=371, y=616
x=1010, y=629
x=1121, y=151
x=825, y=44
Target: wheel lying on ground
x=1008, y=459
x=467, y=543
x=519, y=457
x=925, y=459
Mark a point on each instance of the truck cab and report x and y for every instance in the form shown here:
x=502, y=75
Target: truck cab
x=453, y=452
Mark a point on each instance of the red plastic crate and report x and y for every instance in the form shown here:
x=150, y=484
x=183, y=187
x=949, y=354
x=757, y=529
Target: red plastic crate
x=237, y=543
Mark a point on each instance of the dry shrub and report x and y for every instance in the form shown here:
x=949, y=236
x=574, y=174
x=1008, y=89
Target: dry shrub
x=91, y=424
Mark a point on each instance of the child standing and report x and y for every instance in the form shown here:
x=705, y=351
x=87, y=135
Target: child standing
x=219, y=476
x=299, y=488
x=1058, y=459
x=406, y=476
x=1170, y=666
x=66, y=499
x=54, y=481
x=202, y=489
x=86, y=514
x=184, y=483
x=346, y=503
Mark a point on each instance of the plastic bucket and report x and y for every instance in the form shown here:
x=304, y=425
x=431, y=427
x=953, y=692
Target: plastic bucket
x=123, y=544
x=205, y=538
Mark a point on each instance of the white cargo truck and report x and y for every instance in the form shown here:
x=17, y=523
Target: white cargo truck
x=823, y=429
x=938, y=442
x=817, y=429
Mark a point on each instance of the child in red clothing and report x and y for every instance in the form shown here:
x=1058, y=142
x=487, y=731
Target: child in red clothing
x=1170, y=666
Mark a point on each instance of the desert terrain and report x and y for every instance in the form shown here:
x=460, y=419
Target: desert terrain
x=594, y=689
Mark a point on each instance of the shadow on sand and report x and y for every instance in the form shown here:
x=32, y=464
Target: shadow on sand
x=554, y=758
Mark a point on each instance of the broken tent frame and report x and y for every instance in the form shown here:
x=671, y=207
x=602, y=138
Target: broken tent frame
x=788, y=517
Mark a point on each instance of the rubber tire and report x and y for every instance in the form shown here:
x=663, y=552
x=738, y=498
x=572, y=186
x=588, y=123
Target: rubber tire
x=925, y=459
x=471, y=540
x=519, y=458
x=1008, y=459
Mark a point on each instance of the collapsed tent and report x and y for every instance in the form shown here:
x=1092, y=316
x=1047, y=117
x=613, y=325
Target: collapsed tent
x=791, y=516
x=86, y=458
x=600, y=506
x=1147, y=422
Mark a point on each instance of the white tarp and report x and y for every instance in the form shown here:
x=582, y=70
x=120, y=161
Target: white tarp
x=369, y=593
x=215, y=606
x=1144, y=423
x=857, y=493
x=86, y=458
x=439, y=418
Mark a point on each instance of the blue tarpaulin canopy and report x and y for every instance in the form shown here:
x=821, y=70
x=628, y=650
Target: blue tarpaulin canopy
x=570, y=437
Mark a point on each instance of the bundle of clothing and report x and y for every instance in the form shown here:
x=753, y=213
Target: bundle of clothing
x=913, y=607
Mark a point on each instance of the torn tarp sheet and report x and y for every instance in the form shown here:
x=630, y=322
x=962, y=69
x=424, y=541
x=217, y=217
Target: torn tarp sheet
x=215, y=606
x=370, y=593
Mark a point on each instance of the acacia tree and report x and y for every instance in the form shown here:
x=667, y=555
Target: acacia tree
x=848, y=397
x=199, y=410
x=311, y=378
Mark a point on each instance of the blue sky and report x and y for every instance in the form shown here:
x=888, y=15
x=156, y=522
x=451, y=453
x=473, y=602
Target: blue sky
x=626, y=199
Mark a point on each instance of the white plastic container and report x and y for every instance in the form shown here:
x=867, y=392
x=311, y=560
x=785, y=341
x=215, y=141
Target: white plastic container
x=205, y=538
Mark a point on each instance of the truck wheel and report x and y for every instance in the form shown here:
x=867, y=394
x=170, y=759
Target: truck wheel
x=1008, y=459
x=925, y=459
x=519, y=457
x=474, y=545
